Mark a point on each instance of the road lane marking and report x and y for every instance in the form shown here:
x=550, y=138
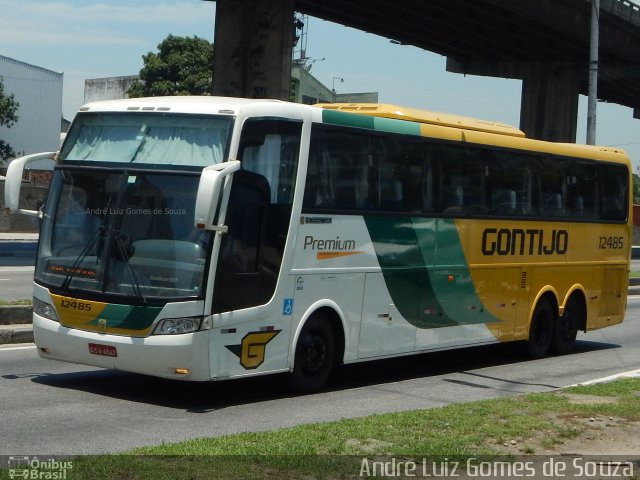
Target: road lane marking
x=22, y=347
x=610, y=378
x=16, y=268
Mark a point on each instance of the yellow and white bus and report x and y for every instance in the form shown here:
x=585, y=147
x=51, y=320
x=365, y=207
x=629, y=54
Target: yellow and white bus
x=216, y=238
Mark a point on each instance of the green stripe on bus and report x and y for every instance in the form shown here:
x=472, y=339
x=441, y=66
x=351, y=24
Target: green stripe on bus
x=425, y=272
x=127, y=316
x=347, y=119
x=372, y=123
x=396, y=126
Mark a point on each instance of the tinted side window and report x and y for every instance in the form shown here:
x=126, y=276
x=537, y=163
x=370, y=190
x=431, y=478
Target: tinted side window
x=270, y=148
x=511, y=184
x=341, y=171
x=584, y=191
x=552, y=173
x=614, y=185
x=462, y=180
x=359, y=170
x=404, y=177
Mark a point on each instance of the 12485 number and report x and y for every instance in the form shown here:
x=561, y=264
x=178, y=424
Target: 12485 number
x=612, y=243
x=82, y=306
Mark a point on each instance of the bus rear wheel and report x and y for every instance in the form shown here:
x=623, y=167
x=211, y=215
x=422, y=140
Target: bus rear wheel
x=541, y=330
x=566, y=327
x=315, y=355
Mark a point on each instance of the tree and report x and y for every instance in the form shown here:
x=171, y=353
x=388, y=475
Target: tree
x=636, y=189
x=8, y=116
x=182, y=66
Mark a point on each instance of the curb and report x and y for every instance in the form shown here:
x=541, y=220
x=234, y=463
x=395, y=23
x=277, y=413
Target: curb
x=611, y=378
x=15, y=324
x=17, y=333
x=15, y=314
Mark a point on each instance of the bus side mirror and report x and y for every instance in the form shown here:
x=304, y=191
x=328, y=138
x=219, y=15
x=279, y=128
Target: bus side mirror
x=13, y=181
x=213, y=194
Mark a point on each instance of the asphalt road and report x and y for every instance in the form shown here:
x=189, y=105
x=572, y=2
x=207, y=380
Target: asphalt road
x=56, y=408
x=16, y=282
x=17, y=259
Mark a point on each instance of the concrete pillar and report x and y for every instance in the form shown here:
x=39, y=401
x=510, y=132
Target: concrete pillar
x=253, y=42
x=549, y=103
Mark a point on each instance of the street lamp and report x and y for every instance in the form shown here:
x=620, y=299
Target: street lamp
x=333, y=86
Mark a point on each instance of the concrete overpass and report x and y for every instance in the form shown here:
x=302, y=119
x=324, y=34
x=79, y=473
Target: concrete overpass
x=543, y=42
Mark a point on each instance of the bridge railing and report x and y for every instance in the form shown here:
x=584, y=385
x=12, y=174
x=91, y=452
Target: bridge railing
x=626, y=9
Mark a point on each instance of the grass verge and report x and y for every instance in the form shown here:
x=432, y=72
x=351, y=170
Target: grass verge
x=6, y=303
x=336, y=449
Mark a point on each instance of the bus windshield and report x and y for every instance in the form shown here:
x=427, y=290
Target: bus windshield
x=122, y=233
x=125, y=227
x=147, y=139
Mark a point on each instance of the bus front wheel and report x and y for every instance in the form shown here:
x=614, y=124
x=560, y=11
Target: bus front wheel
x=541, y=329
x=315, y=355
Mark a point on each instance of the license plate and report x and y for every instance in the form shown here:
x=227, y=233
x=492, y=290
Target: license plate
x=105, y=350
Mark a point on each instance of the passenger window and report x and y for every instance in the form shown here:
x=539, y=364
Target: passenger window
x=614, y=185
x=340, y=173
x=270, y=148
x=511, y=184
x=584, y=191
x=463, y=180
x=401, y=175
x=553, y=187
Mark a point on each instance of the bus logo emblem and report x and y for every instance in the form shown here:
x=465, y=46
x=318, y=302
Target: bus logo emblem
x=102, y=324
x=251, y=351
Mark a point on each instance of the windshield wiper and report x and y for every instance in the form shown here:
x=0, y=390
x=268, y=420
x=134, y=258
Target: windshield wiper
x=97, y=235
x=135, y=282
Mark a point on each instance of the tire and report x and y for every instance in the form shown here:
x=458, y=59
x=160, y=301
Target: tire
x=315, y=356
x=541, y=330
x=566, y=327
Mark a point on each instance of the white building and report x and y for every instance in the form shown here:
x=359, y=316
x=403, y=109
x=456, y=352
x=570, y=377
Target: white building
x=39, y=93
x=111, y=88
x=305, y=89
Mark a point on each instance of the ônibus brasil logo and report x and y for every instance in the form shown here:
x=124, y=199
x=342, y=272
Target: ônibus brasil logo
x=33, y=468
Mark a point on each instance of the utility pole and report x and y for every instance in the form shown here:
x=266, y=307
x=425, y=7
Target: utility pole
x=593, y=72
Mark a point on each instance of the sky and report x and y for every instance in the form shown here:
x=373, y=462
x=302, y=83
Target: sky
x=105, y=38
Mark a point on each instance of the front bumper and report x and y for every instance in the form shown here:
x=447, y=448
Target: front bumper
x=182, y=357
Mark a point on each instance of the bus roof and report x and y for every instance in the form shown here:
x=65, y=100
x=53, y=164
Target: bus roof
x=424, y=116
x=193, y=104
x=502, y=134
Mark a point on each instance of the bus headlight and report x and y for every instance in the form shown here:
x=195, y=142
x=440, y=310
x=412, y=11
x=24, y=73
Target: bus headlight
x=175, y=326
x=45, y=310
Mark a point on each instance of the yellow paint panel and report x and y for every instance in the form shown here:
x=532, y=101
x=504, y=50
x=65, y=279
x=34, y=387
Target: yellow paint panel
x=503, y=242
x=75, y=313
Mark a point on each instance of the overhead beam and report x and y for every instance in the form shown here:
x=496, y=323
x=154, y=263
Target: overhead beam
x=503, y=31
